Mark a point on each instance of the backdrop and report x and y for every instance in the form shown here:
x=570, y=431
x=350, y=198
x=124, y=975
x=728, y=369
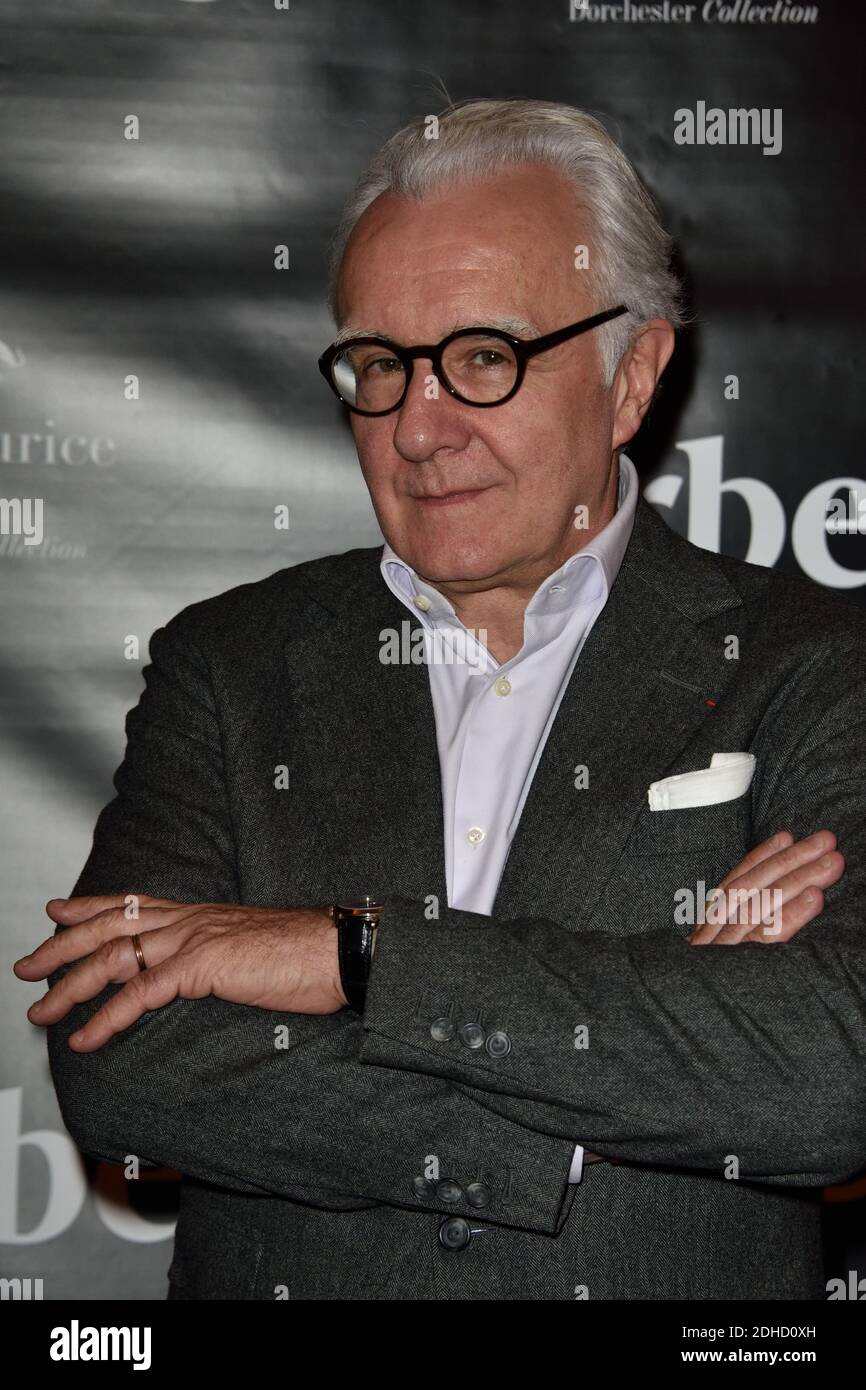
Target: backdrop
x=171, y=172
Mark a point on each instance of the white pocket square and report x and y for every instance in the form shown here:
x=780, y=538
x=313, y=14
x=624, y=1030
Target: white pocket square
x=727, y=777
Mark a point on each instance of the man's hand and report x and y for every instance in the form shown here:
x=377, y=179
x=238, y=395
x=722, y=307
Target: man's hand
x=267, y=957
x=797, y=872
x=287, y=960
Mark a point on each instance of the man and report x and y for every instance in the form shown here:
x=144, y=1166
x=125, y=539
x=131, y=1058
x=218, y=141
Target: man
x=520, y=1075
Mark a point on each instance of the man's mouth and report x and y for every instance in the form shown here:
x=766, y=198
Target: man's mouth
x=450, y=499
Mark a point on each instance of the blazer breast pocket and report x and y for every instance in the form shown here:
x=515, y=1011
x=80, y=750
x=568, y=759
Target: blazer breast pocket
x=725, y=824
x=669, y=856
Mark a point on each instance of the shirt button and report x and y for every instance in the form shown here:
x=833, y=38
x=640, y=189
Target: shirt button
x=476, y=835
x=502, y=686
x=472, y=1034
x=498, y=1045
x=422, y=601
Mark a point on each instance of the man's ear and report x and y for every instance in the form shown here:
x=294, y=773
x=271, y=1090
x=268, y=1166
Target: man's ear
x=637, y=377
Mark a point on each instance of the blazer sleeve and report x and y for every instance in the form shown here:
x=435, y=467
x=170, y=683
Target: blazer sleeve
x=696, y=1055
x=203, y=1086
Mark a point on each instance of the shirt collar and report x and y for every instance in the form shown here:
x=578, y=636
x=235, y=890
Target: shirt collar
x=560, y=590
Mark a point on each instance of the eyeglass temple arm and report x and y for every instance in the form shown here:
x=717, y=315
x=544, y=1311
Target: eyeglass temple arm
x=535, y=345
x=562, y=335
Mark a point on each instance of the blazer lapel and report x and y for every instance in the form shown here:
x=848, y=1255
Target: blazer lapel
x=637, y=696
x=365, y=734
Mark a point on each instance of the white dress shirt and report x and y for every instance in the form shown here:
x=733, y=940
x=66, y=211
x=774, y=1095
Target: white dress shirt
x=492, y=720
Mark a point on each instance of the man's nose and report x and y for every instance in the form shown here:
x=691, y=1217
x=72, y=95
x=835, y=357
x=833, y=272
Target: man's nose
x=429, y=418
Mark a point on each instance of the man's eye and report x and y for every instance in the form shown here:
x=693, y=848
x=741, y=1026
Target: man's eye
x=491, y=357
x=383, y=365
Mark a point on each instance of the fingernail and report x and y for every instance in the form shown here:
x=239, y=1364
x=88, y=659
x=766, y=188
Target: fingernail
x=79, y=1037
x=35, y=1009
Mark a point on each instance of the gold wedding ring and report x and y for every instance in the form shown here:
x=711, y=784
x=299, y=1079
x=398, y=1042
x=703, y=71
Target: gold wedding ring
x=139, y=954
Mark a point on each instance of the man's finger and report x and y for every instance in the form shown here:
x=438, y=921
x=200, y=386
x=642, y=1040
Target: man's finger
x=763, y=868
x=148, y=990
x=798, y=914
x=759, y=911
x=745, y=906
x=800, y=898
x=760, y=868
x=765, y=850
x=78, y=941
x=68, y=911
x=114, y=963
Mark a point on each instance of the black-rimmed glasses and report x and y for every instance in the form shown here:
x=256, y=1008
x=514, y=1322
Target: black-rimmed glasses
x=478, y=366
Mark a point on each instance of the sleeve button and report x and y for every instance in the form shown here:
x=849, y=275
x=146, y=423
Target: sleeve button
x=449, y=1191
x=498, y=1044
x=442, y=1029
x=478, y=1194
x=472, y=1034
x=455, y=1233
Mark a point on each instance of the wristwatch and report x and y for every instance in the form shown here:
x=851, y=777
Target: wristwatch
x=356, y=921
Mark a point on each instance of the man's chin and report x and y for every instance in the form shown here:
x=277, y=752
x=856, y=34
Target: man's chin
x=442, y=564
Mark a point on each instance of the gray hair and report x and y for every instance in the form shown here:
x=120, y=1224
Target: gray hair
x=630, y=255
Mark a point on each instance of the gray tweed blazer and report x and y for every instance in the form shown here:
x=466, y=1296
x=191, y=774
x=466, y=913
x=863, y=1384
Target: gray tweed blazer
x=342, y=1157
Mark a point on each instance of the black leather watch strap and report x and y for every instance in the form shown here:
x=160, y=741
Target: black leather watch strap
x=355, y=923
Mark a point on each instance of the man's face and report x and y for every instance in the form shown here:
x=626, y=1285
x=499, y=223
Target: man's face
x=482, y=253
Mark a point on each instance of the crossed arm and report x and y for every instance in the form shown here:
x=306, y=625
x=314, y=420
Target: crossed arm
x=695, y=1054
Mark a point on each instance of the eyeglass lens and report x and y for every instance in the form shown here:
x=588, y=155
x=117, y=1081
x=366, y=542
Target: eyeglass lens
x=480, y=367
